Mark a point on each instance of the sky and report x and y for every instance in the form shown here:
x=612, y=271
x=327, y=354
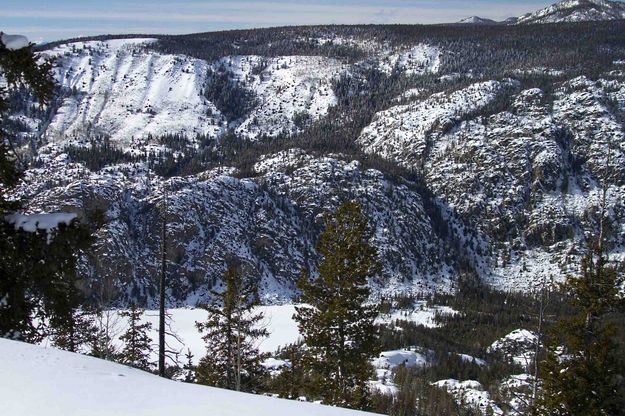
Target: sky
x=48, y=20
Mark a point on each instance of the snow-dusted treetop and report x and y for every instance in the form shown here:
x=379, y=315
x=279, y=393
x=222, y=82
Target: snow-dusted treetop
x=14, y=42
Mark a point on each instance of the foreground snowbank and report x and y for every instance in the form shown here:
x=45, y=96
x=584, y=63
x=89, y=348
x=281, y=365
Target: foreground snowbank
x=44, y=381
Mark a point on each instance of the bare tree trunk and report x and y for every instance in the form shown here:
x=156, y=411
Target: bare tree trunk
x=598, y=267
x=604, y=196
x=162, y=286
x=538, y=346
x=238, y=352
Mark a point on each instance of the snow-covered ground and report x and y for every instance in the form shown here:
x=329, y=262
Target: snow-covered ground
x=471, y=394
x=38, y=381
x=471, y=359
x=419, y=59
x=32, y=223
x=512, y=398
x=387, y=361
x=518, y=346
x=419, y=315
x=516, y=390
x=409, y=358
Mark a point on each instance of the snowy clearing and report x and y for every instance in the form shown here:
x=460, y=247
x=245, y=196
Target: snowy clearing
x=278, y=321
x=392, y=359
x=389, y=360
x=420, y=315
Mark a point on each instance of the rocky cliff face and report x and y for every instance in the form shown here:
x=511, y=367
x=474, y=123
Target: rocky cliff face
x=526, y=180
x=270, y=222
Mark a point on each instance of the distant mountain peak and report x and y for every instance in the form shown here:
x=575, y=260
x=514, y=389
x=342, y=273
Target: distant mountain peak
x=576, y=11
x=476, y=20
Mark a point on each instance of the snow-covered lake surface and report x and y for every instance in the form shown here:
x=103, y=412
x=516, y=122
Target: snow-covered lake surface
x=278, y=319
x=38, y=381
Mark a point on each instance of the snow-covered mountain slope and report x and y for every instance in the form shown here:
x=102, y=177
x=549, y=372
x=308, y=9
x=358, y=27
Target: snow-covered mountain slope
x=125, y=91
x=270, y=222
x=476, y=20
x=517, y=174
x=284, y=87
x=405, y=129
x=418, y=60
x=39, y=381
x=117, y=88
x=576, y=11
x=500, y=167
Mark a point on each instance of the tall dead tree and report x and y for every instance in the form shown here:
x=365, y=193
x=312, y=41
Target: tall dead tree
x=162, y=286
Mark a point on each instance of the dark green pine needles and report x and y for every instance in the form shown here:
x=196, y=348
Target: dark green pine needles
x=337, y=324
x=584, y=369
x=232, y=332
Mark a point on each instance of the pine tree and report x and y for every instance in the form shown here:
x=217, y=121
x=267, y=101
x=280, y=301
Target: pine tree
x=73, y=331
x=107, y=321
x=162, y=315
x=231, y=333
x=101, y=344
x=137, y=342
x=39, y=283
x=584, y=368
x=337, y=325
x=291, y=380
x=19, y=67
x=37, y=269
x=188, y=370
